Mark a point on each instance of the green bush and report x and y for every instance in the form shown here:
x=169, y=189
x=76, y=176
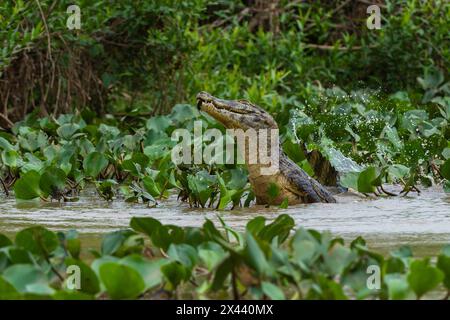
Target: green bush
x=149, y=55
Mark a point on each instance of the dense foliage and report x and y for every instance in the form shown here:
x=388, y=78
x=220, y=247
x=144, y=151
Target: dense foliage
x=151, y=260
x=55, y=159
x=148, y=55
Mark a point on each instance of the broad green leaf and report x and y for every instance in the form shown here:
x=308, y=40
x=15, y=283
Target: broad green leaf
x=11, y=158
x=338, y=259
x=88, y=282
x=94, y=163
x=121, y=281
x=175, y=273
x=27, y=278
x=7, y=290
x=27, y=187
x=280, y=228
x=445, y=169
x=398, y=288
x=256, y=257
x=37, y=240
x=423, y=277
x=150, y=270
x=184, y=254
x=443, y=264
x=52, y=180
x=145, y=225
x=165, y=235
x=66, y=131
x=272, y=291
x=4, y=241
x=366, y=179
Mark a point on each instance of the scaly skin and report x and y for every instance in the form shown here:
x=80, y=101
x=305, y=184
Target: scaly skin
x=294, y=183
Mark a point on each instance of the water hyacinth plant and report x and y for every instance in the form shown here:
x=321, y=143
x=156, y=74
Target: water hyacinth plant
x=265, y=261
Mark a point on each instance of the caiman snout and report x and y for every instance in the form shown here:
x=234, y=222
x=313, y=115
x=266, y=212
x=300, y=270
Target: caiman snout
x=203, y=96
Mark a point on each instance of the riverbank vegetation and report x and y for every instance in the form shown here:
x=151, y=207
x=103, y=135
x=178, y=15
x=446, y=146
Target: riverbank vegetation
x=266, y=261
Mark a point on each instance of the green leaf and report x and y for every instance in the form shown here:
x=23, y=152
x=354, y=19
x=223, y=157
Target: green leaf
x=7, y=290
x=446, y=153
x=223, y=270
x=73, y=243
x=5, y=144
x=145, y=225
x=184, y=254
x=256, y=257
x=211, y=254
x=272, y=291
x=121, y=242
x=423, y=277
x=175, y=273
x=27, y=187
x=136, y=163
x=52, y=179
x=256, y=224
x=280, y=227
x=4, y=241
x=94, y=163
x=443, y=264
x=330, y=290
x=27, y=278
x=398, y=171
x=88, y=282
x=306, y=247
x=338, y=259
x=398, y=288
x=447, y=186
x=37, y=240
x=445, y=169
x=164, y=236
x=350, y=180
x=304, y=251
x=150, y=270
x=66, y=131
x=366, y=179
x=10, y=158
x=158, y=123
x=432, y=79
x=121, y=281
x=150, y=186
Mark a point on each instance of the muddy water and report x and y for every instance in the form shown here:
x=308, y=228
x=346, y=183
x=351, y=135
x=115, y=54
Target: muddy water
x=421, y=221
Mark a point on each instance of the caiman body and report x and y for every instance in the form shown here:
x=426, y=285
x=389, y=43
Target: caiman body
x=293, y=183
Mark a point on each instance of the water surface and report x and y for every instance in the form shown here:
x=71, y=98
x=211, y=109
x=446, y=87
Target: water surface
x=421, y=221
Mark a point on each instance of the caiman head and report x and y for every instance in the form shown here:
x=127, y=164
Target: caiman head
x=235, y=114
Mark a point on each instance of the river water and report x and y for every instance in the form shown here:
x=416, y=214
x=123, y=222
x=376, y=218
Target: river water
x=420, y=221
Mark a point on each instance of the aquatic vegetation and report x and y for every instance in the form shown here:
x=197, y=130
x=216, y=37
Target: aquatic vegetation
x=53, y=159
x=369, y=139
x=266, y=260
